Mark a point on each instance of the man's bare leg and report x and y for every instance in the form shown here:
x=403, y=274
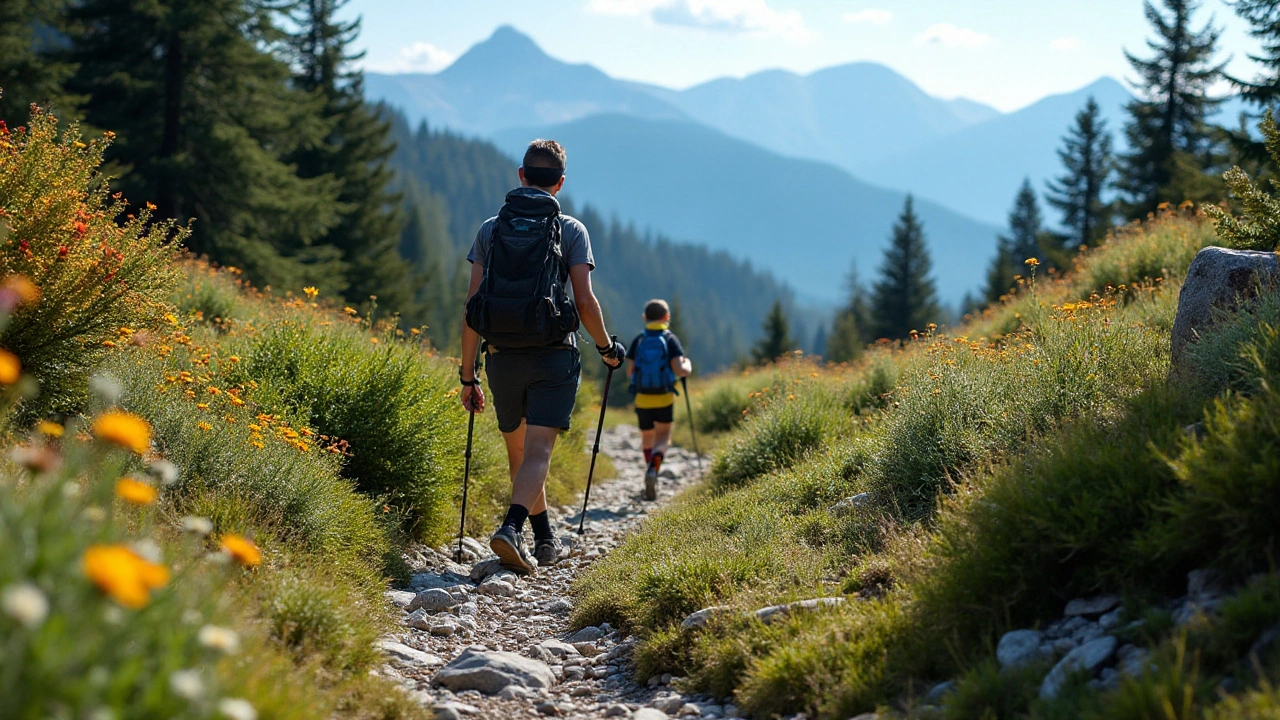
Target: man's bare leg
x=528, y=491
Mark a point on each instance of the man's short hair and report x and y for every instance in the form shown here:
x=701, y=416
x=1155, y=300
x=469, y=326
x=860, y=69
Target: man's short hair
x=655, y=310
x=545, y=154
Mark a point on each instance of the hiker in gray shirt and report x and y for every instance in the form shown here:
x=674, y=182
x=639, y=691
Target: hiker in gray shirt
x=521, y=262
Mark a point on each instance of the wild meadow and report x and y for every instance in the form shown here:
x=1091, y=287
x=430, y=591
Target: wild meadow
x=206, y=487
x=968, y=482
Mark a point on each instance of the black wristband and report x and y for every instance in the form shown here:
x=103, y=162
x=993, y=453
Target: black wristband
x=475, y=382
x=602, y=349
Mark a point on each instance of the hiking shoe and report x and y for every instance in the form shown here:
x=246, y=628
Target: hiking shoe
x=546, y=552
x=651, y=483
x=509, y=547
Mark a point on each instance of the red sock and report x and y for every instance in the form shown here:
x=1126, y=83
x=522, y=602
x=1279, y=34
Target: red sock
x=648, y=455
x=657, y=460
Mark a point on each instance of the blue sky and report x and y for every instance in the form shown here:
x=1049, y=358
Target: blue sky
x=1007, y=53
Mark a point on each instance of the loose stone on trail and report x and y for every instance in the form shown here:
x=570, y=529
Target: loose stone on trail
x=506, y=638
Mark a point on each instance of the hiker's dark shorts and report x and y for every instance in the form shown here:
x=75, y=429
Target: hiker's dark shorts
x=646, y=417
x=537, y=386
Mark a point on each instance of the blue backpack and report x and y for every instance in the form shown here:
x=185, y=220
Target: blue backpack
x=653, y=374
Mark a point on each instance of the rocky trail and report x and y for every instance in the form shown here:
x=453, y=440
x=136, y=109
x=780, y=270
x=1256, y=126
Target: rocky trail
x=479, y=641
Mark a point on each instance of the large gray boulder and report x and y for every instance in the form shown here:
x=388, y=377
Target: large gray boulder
x=490, y=672
x=1218, y=279
x=1018, y=648
x=1086, y=658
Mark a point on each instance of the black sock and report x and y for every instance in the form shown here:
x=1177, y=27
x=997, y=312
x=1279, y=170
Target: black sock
x=516, y=515
x=541, y=524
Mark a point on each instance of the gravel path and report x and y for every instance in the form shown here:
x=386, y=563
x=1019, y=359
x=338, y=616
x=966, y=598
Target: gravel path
x=590, y=675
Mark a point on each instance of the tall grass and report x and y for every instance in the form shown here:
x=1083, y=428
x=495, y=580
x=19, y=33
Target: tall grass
x=1007, y=466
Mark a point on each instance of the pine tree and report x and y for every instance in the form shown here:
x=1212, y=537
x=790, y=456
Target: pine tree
x=1263, y=91
x=1077, y=194
x=28, y=75
x=354, y=150
x=205, y=115
x=1171, y=144
x=904, y=298
x=850, y=327
x=1000, y=274
x=777, y=336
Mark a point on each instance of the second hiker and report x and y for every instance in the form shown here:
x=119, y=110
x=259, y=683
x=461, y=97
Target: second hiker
x=654, y=361
x=521, y=262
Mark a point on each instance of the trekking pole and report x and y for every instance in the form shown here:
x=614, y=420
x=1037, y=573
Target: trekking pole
x=604, y=403
x=688, y=404
x=466, y=473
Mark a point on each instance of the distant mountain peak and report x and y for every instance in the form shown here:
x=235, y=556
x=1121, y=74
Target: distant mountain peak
x=507, y=46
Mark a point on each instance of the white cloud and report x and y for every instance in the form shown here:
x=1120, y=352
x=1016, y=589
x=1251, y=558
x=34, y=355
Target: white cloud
x=1065, y=44
x=418, y=57
x=948, y=35
x=748, y=17
x=873, y=17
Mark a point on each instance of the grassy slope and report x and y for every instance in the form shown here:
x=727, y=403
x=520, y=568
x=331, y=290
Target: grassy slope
x=1033, y=456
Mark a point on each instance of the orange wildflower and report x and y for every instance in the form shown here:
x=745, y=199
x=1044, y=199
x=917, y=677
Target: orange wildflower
x=50, y=428
x=10, y=368
x=242, y=550
x=124, y=429
x=123, y=574
x=133, y=491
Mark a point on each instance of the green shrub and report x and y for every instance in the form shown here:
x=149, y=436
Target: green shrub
x=394, y=408
x=984, y=691
x=1259, y=226
x=777, y=435
x=722, y=408
x=292, y=493
x=1225, y=515
x=99, y=281
x=1241, y=351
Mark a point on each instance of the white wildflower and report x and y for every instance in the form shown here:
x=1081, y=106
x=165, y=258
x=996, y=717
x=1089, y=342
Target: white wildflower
x=148, y=550
x=164, y=471
x=237, y=709
x=106, y=387
x=25, y=603
x=219, y=638
x=187, y=684
x=197, y=525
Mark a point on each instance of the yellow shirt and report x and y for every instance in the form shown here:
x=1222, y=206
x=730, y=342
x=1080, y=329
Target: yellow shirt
x=660, y=400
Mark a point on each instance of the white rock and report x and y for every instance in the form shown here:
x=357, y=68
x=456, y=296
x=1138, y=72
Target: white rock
x=559, y=649
x=1091, y=606
x=490, y=672
x=688, y=709
x=1111, y=620
x=648, y=713
x=405, y=655
x=586, y=634
x=1018, y=648
x=669, y=704
x=618, y=710
x=702, y=617
x=850, y=504
x=399, y=598
x=433, y=600
x=419, y=619
x=1087, y=657
x=444, y=629
x=485, y=568
x=496, y=587
x=588, y=649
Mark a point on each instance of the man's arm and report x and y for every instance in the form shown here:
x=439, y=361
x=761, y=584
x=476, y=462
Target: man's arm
x=470, y=345
x=589, y=308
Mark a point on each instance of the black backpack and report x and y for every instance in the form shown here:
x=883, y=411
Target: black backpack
x=522, y=302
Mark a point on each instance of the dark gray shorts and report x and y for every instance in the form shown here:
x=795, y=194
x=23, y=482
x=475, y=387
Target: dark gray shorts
x=538, y=387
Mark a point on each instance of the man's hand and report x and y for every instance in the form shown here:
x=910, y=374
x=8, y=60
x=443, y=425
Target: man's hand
x=613, y=354
x=472, y=398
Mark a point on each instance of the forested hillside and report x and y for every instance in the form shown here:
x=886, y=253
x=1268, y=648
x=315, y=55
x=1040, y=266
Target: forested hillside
x=458, y=182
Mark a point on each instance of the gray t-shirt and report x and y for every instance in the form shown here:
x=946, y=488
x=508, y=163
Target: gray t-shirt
x=573, y=239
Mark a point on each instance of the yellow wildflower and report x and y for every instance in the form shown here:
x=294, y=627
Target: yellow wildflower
x=50, y=428
x=241, y=550
x=214, y=391
x=206, y=427
x=236, y=401
x=133, y=491
x=311, y=292
x=1031, y=261
x=124, y=429
x=256, y=443
x=349, y=310
x=122, y=574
